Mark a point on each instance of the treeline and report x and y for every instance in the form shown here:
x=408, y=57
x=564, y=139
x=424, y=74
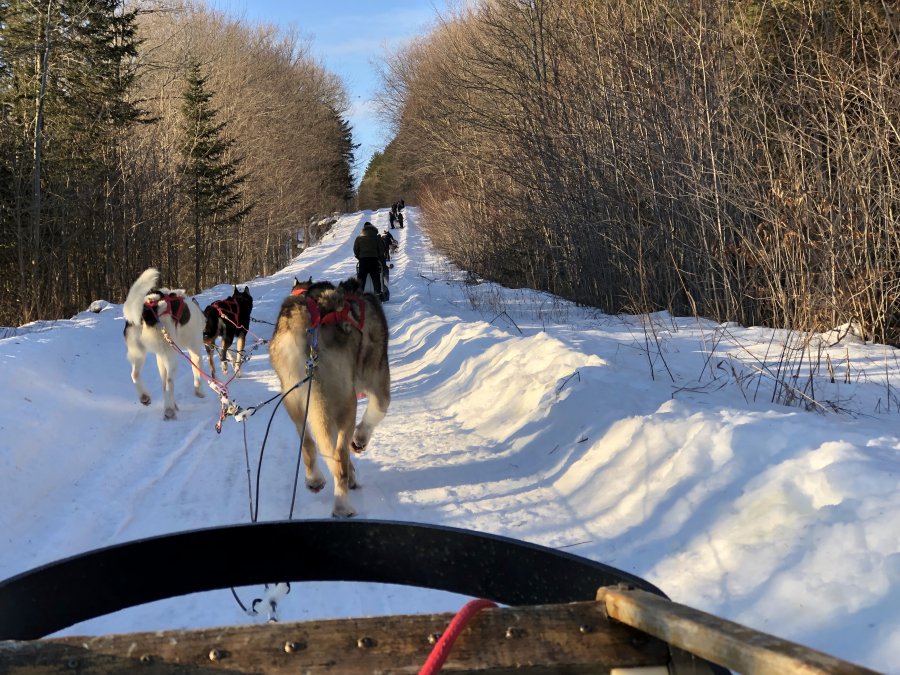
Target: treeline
x=738, y=160
x=156, y=134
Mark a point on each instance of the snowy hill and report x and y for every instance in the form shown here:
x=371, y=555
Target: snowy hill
x=651, y=444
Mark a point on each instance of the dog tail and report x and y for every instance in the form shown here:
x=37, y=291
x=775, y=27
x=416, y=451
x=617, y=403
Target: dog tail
x=134, y=303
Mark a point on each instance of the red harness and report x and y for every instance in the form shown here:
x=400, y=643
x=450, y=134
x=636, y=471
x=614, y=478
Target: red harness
x=228, y=309
x=338, y=315
x=175, y=307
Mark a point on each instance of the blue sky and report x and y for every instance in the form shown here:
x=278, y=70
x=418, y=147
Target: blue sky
x=348, y=37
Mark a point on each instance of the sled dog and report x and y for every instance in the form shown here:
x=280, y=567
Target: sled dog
x=228, y=319
x=350, y=358
x=148, y=311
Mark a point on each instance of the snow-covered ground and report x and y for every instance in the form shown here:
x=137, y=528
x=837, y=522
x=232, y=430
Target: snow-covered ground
x=651, y=444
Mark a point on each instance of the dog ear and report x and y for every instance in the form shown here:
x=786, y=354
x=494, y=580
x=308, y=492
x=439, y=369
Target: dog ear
x=235, y=291
x=246, y=289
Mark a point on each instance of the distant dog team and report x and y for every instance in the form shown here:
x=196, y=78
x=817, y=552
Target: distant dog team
x=329, y=348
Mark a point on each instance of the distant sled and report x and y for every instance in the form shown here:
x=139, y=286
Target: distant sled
x=564, y=612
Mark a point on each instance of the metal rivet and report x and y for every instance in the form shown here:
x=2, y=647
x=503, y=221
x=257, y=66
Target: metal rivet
x=512, y=632
x=215, y=655
x=584, y=629
x=365, y=643
x=72, y=664
x=291, y=647
x=433, y=638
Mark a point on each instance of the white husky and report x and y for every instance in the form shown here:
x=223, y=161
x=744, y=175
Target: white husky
x=148, y=311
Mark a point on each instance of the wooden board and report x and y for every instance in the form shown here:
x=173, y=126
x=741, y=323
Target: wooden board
x=724, y=642
x=566, y=638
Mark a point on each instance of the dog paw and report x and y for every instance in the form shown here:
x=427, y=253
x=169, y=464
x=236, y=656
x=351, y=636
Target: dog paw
x=169, y=414
x=315, y=485
x=357, y=448
x=343, y=511
x=199, y=393
x=145, y=399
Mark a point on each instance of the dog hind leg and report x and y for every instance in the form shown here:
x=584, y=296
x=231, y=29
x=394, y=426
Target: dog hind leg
x=223, y=356
x=137, y=355
x=227, y=354
x=333, y=438
x=223, y=360
x=294, y=403
x=344, y=476
x=239, y=355
x=315, y=479
x=197, y=370
x=167, y=368
x=209, y=353
x=378, y=397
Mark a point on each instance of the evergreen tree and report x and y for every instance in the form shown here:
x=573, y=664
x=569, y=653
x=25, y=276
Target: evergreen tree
x=210, y=179
x=343, y=166
x=336, y=165
x=370, y=187
x=385, y=180
x=66, y=70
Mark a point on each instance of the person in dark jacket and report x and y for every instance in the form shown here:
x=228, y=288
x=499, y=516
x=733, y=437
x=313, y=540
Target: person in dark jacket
x=369, y=250
x=390, y=243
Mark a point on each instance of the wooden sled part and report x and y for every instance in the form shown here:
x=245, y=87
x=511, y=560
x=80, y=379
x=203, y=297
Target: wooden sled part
x=552, y=625
x=572, y=638
x=582, y=637
x=724, y=642
x=510, y=572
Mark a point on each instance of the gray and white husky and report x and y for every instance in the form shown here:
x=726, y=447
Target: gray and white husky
x=352, y=339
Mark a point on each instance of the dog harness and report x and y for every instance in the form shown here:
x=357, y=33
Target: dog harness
x=228, y=309
x=175, y=307
x=336, y=316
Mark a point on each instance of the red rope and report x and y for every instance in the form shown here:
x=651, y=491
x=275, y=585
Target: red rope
x=441, y=649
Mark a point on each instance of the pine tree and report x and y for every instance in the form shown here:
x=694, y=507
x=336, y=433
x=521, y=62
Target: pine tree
x=211, y=182
x=343, y=166
x=66, y=70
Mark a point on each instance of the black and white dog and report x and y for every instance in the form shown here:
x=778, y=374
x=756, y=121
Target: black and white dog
x=151, y=314
x=228, y=319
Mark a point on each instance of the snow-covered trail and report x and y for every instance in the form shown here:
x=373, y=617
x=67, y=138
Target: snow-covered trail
x=127, y=474
x=512, y=413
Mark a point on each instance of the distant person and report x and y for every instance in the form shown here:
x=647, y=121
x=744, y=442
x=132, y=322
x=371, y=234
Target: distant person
x=399, y=218
x=392, y=216
x=370, y=252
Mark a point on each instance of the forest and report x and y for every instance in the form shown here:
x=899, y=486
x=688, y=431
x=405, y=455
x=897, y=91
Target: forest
x=738, y=160
x=156, y=133
x=733, y=160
